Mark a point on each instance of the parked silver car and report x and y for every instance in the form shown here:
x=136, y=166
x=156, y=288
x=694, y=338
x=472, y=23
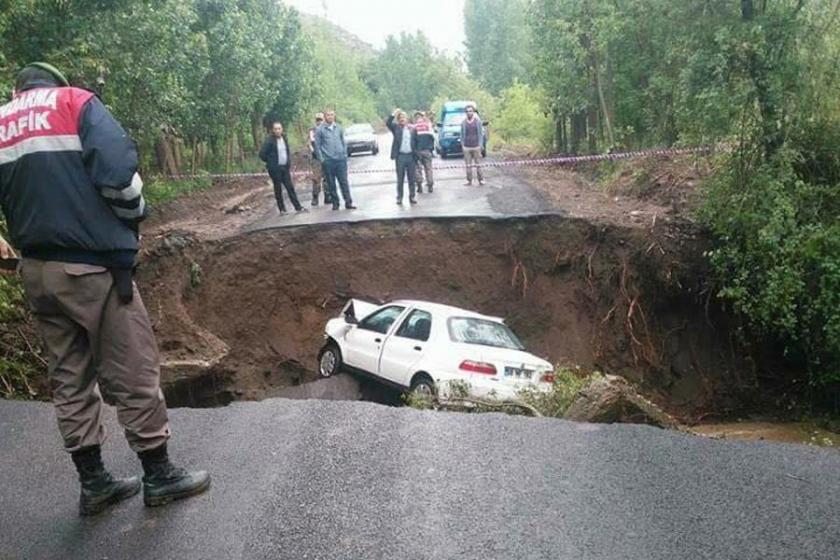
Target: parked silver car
x=361, y=138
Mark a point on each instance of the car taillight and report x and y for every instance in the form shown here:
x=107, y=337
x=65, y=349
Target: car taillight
x=547, y=378
x=477, y=367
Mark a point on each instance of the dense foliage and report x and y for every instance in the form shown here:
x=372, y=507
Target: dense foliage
x=759, y=75
x=498, y=42
x=192, y=80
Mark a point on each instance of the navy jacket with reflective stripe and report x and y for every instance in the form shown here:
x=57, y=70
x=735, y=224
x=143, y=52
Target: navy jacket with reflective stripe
x=69, y=187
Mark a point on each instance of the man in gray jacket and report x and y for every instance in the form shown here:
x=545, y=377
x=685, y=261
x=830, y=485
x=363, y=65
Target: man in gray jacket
x=472, y=139
x=332, y=150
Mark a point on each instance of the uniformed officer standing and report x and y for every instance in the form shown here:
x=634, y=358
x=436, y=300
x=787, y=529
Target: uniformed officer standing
x=73, y=200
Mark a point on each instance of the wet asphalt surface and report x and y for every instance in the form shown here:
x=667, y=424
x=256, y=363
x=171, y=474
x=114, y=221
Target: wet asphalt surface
x=373, y=189
x=346, y=480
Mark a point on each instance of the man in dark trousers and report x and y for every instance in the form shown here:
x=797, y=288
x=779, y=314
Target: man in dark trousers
x=316, y=168
x=404, y=153
x=73, y=200
x=332, y=150
x=278, y=161
x=472, y=141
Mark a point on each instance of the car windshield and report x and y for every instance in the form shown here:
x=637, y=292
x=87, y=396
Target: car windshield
x=360, y=129
x=453, y=119
x=470, y=330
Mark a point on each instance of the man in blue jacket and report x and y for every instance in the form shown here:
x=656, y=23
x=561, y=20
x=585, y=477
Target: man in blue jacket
x=73, y=200
x=278, y=161
x=332, y=149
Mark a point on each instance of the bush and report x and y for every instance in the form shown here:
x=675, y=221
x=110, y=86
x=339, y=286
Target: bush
x=164, y=190
x=777, y=254
x=521, y=120
x=20, y=365
x=567, y=384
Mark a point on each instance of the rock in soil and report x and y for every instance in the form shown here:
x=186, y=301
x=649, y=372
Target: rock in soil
x=612, y=399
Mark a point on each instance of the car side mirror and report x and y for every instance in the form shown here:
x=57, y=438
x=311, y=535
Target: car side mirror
x=350, y=318
x=438, y=125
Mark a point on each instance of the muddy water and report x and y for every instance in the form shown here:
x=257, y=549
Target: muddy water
x=785, y=432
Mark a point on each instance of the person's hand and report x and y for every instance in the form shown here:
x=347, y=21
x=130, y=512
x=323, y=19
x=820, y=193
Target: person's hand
x=6, y=252
x=396, y=112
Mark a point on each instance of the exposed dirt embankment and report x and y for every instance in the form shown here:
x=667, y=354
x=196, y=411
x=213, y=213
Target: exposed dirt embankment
x=243, y=317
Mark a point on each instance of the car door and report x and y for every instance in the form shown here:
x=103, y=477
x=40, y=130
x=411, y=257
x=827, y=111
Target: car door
x=406, y=347
x=364, y=342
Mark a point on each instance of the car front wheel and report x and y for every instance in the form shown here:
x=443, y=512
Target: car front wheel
x=329, y=360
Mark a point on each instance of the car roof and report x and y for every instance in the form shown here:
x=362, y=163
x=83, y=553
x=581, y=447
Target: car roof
x=448, y=310
x=451, y=106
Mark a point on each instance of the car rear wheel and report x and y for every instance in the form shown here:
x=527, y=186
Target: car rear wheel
x=329, y=360
x=422, y=386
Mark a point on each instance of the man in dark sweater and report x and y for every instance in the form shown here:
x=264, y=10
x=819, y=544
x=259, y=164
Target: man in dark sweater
x=404, y=153
x=73, y=200
x=278, y=161
x=472, y=139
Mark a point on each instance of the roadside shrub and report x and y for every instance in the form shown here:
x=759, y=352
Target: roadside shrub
x=163, y=190
x=777, y=252
x=521, y=121
x=20, y=363
x=567, y=384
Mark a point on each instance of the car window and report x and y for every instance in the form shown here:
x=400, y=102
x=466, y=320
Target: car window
x=450, y=119
x=417, y=326
x=471, y=330
x=382, y=320
x=359, y=129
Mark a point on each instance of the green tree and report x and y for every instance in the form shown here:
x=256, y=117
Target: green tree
x=339, y=63
x=411, y=74
x=497, y=42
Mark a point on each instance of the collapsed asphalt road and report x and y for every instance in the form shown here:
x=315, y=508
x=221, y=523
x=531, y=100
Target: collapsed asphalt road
x=318, y=479
x=373, y=187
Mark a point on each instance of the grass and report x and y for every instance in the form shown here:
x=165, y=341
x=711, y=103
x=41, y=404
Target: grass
x=163, y=190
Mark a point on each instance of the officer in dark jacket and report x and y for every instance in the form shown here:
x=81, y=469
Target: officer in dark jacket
x=404, y=153
x=278, y=162
x=73, y=200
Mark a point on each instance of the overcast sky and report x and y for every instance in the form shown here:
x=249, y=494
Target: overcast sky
x=373, y=20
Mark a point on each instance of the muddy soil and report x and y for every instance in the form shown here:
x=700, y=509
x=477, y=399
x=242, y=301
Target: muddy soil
x=241, y=316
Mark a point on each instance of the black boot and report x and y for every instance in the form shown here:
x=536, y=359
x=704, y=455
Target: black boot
x=99, y=488
x=164, y=482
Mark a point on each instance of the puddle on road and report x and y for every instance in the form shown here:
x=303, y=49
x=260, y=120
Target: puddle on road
x=786, y=432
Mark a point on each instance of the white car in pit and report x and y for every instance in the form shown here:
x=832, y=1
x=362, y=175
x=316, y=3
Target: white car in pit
x=427, y=348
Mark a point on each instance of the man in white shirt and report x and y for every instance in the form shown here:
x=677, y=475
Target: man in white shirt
x=278, y=162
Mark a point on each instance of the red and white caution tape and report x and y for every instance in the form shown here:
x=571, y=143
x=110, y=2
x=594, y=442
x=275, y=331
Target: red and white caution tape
x=534, y=162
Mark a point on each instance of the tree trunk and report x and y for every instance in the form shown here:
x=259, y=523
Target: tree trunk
x=240, y=140
x=194, y=154
x=165, y=155
x=256, y=131
x=578, y=131
x=592, y=126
